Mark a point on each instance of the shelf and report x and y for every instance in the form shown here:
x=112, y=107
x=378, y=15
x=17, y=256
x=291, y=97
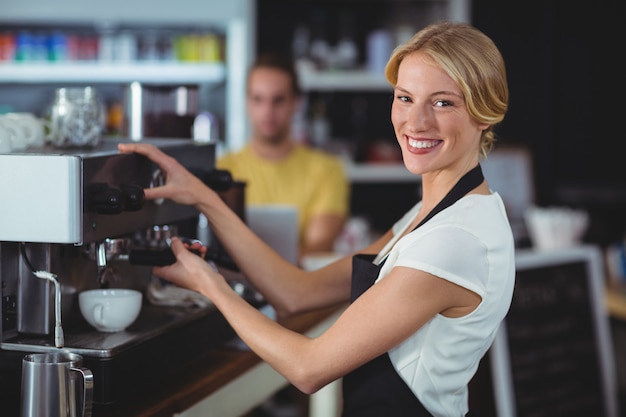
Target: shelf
x=380, y=173
x=360, y=80
x=78, y=72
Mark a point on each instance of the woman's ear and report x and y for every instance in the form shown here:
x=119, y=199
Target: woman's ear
x=483, y=126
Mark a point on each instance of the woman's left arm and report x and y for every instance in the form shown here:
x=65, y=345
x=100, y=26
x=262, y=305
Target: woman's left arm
x=380, y=319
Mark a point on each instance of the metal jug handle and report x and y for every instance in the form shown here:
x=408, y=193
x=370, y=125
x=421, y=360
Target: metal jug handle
x=87, y=377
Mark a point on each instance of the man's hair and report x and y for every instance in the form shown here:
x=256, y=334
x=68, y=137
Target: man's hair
x=281, y=63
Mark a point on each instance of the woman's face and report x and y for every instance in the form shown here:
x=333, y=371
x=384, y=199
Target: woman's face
x=431, y=122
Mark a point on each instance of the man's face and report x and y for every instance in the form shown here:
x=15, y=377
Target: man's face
x=271, y=104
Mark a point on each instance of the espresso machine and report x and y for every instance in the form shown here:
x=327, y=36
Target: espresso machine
x=81, y=217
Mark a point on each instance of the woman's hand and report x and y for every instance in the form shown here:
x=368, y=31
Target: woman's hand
x=190, y=270
x=180, y=186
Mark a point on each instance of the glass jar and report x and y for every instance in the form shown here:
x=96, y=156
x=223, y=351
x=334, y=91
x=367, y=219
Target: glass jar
x=77, y=118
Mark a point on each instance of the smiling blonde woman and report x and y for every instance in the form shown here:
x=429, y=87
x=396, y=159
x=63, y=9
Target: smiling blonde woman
x=426, y=298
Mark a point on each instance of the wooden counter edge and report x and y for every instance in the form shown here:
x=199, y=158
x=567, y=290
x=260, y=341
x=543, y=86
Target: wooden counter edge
x=195, y=382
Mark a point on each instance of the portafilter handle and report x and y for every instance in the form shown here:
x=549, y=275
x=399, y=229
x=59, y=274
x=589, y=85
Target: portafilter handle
x=157, y=256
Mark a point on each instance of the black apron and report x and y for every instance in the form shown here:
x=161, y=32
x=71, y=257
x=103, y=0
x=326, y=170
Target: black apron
x=375, y=389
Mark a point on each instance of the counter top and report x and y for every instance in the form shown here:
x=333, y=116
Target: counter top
x=205, y=377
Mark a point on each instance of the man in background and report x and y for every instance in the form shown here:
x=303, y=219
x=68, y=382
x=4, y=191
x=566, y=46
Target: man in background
x=278, y=169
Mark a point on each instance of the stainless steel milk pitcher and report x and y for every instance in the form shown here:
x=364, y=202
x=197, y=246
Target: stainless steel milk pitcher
x=56, y=385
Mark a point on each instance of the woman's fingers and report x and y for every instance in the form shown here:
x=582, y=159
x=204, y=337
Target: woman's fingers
x=177, y=178
x=151, y=152
x=144, y=149
x=177, y=245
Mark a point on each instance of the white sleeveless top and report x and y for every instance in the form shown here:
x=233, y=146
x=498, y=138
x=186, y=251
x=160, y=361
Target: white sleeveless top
x=470, y=244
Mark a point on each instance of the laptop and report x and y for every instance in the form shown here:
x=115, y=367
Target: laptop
x=276, y=225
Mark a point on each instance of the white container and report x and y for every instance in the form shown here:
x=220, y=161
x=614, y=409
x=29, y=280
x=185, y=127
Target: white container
x=555, y=227
x=6, y=144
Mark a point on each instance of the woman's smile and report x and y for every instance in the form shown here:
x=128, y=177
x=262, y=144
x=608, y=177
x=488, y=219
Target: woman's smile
x=420, y=145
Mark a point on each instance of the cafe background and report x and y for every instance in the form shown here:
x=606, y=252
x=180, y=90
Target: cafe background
x=566, y=88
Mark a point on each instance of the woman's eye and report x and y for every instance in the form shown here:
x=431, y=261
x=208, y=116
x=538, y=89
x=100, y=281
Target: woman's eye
x=403, y=99
x=443, y=103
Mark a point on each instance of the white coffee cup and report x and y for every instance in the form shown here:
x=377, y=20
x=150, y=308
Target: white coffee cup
x=110, y=310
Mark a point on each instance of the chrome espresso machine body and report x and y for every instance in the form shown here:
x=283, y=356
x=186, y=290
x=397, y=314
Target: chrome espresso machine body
x=82, y=216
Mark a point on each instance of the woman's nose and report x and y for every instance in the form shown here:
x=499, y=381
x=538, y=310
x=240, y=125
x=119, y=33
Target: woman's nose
x=419, y=118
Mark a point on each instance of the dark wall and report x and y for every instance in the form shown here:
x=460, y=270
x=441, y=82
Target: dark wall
x=567, y=100
x=567, y=92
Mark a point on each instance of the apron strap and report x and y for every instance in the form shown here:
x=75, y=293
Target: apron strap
x=472, y=179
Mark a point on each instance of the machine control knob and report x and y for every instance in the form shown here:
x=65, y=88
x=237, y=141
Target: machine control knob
x=217, y=179
x=134, y=197
x=104, y=199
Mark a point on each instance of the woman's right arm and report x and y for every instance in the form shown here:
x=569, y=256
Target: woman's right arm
x=286, y=287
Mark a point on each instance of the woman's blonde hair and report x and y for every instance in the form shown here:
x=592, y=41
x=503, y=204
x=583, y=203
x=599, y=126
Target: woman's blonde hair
x=472, y=60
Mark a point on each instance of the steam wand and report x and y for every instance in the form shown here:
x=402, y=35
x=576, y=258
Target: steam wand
x=58, y=329
x=59, y=339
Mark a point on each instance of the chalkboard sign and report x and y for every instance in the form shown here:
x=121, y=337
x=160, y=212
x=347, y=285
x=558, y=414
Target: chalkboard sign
x=553, y=353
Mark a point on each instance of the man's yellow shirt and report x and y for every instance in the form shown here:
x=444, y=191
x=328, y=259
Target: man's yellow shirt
x=312, y=180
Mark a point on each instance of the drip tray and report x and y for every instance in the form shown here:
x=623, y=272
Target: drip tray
x=86, y=341
x=162, y=340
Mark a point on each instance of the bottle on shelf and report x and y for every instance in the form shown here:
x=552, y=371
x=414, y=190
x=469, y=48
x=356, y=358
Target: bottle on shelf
x=319, y=126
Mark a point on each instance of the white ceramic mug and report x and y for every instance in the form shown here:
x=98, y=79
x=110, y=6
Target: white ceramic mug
x=110, y=310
